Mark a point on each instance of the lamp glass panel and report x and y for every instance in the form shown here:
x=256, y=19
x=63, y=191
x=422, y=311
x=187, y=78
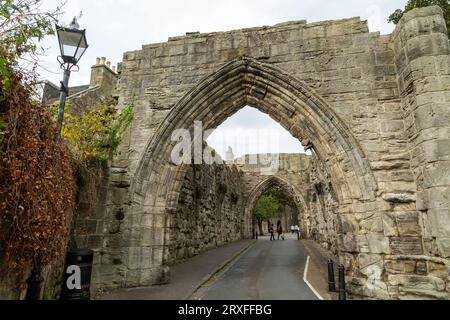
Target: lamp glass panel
x=82, y=48
x=69, y=42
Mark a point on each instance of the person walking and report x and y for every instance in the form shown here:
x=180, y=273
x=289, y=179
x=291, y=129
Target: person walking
x=297, y=231
x=280, y=230
x=272, y=233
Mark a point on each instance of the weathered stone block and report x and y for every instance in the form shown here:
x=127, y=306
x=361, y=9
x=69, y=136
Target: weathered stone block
x=389, y=225
x=432, y=44
x=437, y=150
x=400, y=267
x=417, y=282
x=406, y=245
x=439, y=222
x=347, y=224
x=95, y=242
x=399, y=197
x=437, y=175
x=408, y=224
x=348, y=243
x=366, y=260
x=443, y=245
x=378, y=244
x=372, y=225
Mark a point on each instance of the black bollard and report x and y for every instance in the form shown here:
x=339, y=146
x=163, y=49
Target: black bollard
x=342, y=292
x=331, y=279
x=77, y=276
x=256, y=235
x=34, y=283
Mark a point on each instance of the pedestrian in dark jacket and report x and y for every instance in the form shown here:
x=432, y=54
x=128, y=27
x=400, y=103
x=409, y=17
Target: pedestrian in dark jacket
x=272, y=232
x=280, y=231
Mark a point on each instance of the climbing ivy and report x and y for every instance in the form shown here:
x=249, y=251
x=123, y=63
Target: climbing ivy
x=93, y=137
x=97, y=133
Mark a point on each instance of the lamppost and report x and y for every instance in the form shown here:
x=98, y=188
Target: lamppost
x=72, y=44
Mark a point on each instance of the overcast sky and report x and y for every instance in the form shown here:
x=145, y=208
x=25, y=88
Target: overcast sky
x=116, y=26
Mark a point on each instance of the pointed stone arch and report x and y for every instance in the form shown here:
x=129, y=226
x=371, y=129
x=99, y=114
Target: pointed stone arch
x=156, y=184
x=289, y=101
x=290, y=189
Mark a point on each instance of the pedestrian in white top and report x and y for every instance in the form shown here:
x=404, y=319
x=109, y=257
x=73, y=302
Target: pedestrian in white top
x=297, y=230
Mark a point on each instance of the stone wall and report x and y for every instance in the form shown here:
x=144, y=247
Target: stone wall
x=209, y=213
x=420, y=244
x=322, y=220
x=372, y=107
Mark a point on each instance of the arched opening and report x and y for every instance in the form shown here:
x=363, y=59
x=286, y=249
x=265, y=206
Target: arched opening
x=157, y=185
x=289, y=189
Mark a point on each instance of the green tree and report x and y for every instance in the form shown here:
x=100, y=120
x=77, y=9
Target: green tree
x=266, y=208
x=444, y=4
x=283, y=198
x=22, y=25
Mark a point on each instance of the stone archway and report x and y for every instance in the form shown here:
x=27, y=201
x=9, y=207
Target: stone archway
x=353, y=96
x=291, y=190
x=289, y=101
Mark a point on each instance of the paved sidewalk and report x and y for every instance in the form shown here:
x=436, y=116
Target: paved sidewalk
x=185, y=277
x=318, y=268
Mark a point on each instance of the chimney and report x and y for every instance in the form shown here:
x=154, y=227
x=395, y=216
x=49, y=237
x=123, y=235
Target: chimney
x=103, y=74
x=97, y=61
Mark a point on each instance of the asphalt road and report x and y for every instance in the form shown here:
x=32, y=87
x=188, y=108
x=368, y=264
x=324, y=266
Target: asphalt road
x=268, y=271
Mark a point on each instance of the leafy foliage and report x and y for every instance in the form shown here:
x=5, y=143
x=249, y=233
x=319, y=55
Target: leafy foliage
x=270, y=204
x=93, y=137
x=444, y=4
x=283, y=198
x=36, y=183
x=97, y=133
x=22, y=25
x=266, y=208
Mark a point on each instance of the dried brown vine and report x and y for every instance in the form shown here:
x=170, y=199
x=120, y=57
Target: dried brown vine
x=36, y=183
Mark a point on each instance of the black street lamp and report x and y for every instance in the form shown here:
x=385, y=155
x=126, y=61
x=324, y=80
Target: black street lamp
x=73, y=44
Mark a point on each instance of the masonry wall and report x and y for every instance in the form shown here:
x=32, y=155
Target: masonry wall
x=209, y=213
x=390, y=91
x=422, y=61
x=324, y=225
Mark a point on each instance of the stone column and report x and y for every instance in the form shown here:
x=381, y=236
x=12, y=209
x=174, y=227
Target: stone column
x=423, y=67
x=422, y=58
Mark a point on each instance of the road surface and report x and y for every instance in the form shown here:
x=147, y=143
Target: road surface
x=267, y=271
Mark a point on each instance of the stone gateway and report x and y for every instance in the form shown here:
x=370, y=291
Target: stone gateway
x=374, y=109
